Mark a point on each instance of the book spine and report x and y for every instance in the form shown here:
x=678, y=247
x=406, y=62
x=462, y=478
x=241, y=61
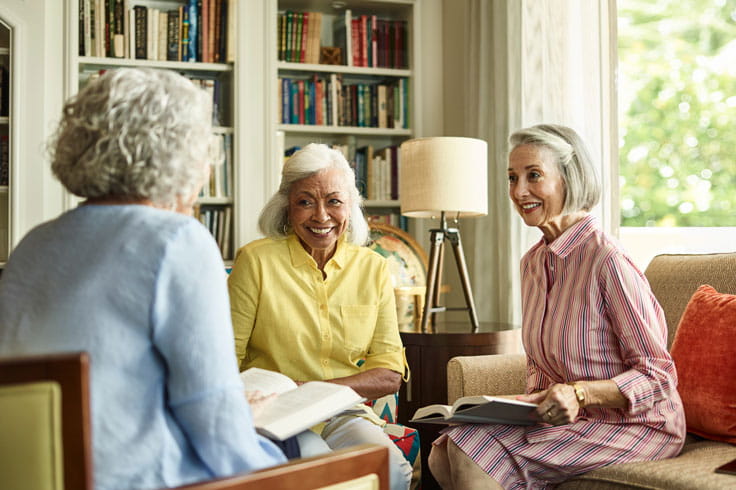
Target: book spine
x=184, y=33
x=141, y=32
x=304, y=37
x=119, y=32
x=231, y=31
x=281, y=48
x=193, y=30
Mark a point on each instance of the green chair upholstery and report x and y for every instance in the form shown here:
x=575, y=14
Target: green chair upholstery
x=30, y=436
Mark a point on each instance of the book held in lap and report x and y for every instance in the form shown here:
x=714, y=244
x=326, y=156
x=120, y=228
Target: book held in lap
x=479, y=410
x=297, y=407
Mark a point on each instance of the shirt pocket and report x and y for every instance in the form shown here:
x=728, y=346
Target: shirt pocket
x=358, y=325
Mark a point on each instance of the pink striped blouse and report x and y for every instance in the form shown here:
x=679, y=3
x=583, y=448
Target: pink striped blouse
x=588, y=314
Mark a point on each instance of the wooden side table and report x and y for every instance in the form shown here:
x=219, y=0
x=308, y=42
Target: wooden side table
x=427, y=355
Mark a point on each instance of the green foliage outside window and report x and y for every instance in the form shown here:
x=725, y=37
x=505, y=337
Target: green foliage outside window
x=677, y=121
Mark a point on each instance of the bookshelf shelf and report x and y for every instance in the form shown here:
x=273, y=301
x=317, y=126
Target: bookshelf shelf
x=389, y=204
x=4, y=120
x=342, y=130
x=190, y=67
x=351, y=70
x=4, y=51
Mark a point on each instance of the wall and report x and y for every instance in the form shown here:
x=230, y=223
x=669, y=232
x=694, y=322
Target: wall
x=37, y=94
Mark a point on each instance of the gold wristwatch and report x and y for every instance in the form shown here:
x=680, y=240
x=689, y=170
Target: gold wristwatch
x=579, y=393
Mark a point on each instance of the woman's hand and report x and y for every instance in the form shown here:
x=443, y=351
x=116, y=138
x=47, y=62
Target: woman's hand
x=258, y=401
x=557, y=405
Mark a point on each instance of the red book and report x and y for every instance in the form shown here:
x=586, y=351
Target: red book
x=303, y=41
x=355, y=36
x=374, y=41
x=320, y=94
x=363, y=40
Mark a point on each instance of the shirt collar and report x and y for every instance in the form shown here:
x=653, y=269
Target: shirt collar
x=571, y=238
x=299, y=255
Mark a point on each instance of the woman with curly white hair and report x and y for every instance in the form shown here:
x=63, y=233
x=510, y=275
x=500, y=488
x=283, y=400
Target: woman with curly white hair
x=309, y=301
x=140, y=286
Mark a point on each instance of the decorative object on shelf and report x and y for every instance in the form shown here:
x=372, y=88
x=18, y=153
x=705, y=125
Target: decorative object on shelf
x=408, y=265
x=330, y=55
x=444, y=176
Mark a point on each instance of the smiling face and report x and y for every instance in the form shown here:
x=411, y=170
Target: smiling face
x=319, y=212
x=537, y=190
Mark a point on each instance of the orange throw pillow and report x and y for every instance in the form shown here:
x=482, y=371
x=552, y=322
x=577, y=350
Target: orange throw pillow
x=704, y=351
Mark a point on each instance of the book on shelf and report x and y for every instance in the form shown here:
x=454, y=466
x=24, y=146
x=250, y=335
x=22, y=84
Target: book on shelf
x=480, y=409
x=297, y=407
x=177, y=33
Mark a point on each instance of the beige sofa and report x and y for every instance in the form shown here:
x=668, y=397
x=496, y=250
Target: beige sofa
x=674, y=278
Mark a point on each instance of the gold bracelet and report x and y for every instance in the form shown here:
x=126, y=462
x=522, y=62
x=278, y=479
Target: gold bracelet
x=579, y=393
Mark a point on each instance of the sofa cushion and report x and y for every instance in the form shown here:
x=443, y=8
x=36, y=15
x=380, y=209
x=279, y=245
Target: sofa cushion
x=693, y=468
x=704, y=351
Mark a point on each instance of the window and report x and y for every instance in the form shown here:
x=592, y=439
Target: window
x=677, y=115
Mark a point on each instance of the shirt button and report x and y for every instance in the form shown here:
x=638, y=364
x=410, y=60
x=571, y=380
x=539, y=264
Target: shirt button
x=324, y=362
x=323, y=307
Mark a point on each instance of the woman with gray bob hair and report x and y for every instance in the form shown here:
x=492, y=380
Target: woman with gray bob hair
x=313, y=158
x=135, y=133
x=582, y=186
x=131, y=278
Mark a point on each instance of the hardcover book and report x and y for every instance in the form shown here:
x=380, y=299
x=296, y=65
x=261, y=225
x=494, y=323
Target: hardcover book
x=297, y=407
x=479, y=410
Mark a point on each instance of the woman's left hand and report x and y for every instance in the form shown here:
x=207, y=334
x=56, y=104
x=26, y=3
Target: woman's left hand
x=557, y=405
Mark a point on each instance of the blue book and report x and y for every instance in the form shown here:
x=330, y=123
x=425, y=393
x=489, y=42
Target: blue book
x=193, y=30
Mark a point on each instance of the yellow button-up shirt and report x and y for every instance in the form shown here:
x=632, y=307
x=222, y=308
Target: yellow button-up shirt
x=288, y=318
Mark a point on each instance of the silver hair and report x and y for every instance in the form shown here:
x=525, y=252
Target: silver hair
x=310, y=160
x=138, y=133
x=582, y=185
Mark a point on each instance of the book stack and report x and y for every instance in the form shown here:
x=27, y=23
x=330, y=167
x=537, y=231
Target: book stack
x=372, y=42
x=198, y=30
x=299, y=36
x=332, y=102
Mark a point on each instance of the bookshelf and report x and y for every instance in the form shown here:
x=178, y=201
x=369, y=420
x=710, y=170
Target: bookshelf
x=5, y=133
x=157, y=34
x=365, y=106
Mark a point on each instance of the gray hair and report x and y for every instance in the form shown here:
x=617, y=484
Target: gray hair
x=310, y=160
x=139, y=133
x=582, y=186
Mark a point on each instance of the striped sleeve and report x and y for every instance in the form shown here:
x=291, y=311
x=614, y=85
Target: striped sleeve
x=640, y=325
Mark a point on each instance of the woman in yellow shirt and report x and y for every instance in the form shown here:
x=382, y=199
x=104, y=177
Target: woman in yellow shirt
x=309, y=301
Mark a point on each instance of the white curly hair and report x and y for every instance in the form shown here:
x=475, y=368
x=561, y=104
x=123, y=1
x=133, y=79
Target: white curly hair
x=135, y=133
x=313, y=158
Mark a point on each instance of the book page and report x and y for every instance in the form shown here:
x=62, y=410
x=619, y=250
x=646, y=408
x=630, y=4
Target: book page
x=265, y=381
x=299, y=409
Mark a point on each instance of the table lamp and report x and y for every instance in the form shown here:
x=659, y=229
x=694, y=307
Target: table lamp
x=446, y=177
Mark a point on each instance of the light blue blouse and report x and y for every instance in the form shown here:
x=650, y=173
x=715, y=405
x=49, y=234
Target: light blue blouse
x=144, y=292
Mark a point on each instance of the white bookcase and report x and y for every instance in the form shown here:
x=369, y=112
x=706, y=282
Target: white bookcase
x=354, y=135
x=218, y=209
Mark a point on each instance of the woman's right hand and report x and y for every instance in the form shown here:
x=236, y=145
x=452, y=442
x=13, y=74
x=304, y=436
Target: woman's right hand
x=258, y=401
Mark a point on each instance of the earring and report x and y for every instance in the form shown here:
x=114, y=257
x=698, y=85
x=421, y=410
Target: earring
x=286, y=228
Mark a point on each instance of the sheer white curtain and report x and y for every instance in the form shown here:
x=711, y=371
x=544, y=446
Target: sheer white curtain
x=510, y=64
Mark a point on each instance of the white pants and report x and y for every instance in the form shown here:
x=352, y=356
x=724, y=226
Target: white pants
x=343, y=432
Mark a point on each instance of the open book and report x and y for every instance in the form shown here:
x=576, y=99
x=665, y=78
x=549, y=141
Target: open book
x=297, y=407
x=479, y=410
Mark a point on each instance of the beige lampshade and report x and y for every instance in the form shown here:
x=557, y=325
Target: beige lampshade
x=443, y=173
